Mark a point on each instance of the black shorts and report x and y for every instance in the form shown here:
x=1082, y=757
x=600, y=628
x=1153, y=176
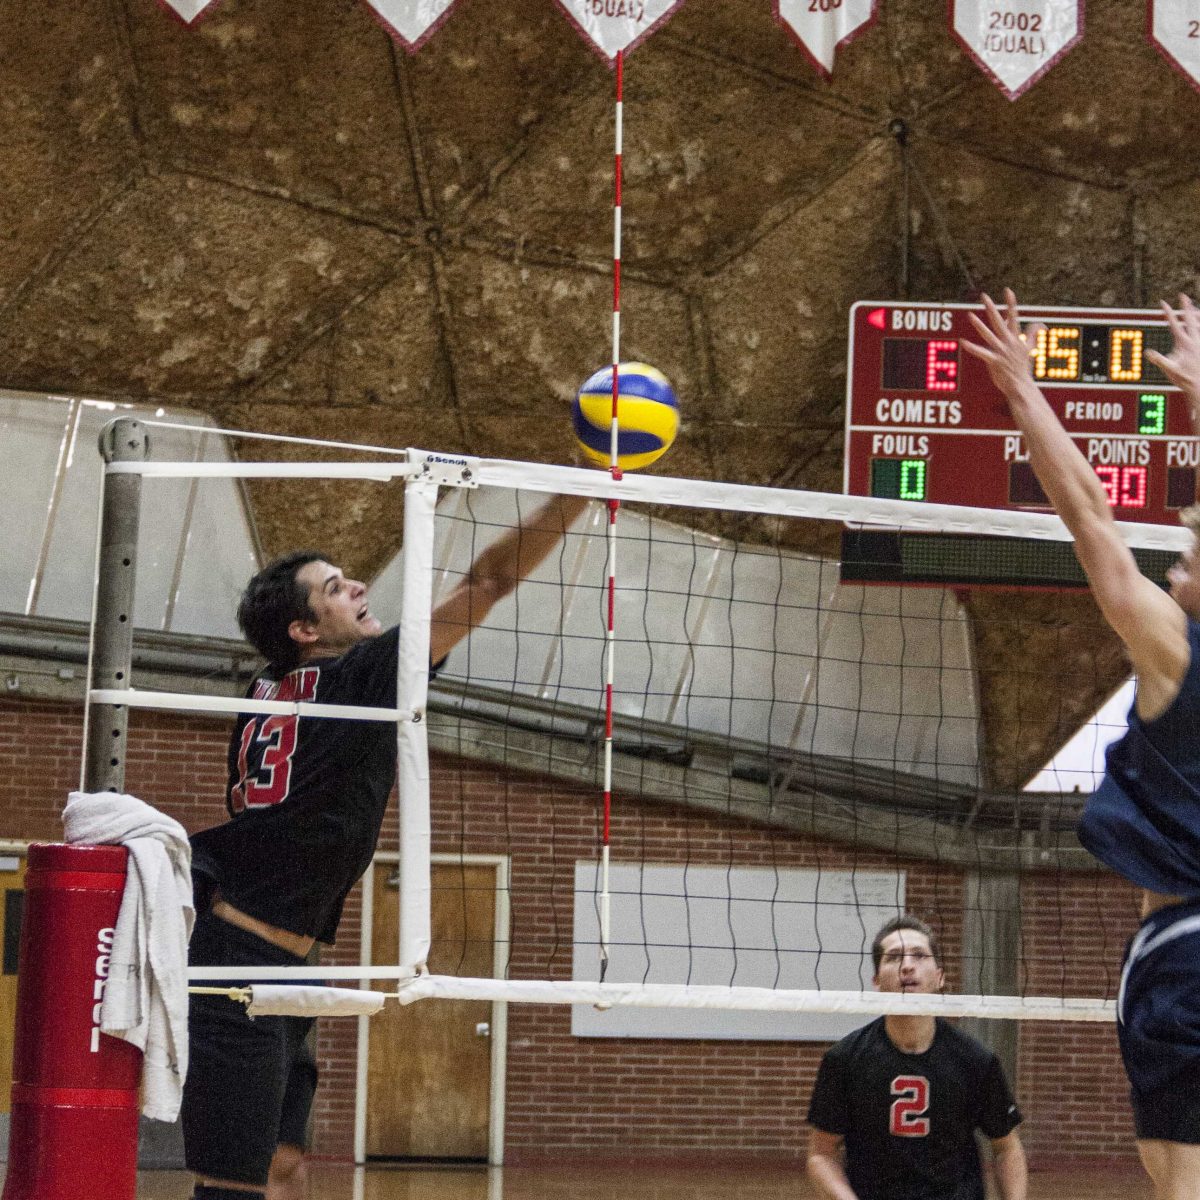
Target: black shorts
x=1158, y=1023
x=250, y=1083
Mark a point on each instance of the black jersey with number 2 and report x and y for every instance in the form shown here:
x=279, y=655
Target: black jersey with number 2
x=909, y=1120
x=306, y=795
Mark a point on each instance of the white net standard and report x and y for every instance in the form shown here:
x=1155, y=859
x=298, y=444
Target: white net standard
x=795, y=759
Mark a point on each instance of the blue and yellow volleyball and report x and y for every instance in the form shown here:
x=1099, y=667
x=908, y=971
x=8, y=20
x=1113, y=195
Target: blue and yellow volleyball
x=647, y=416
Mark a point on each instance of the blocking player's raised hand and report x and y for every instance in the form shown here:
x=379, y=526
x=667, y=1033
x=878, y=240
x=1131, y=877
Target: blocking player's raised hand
x=1002, y=347
x=1182, y=365
x=1149, y=622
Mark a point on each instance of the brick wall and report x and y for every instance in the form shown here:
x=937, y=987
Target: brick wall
x=608, y=1098
x=643, y=1098
x=1070, y=1081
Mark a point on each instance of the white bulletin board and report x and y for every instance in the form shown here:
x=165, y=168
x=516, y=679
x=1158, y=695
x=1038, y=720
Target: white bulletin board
x=783, y=928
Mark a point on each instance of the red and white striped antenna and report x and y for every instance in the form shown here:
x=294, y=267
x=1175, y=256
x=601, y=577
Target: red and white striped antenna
x=613, y=508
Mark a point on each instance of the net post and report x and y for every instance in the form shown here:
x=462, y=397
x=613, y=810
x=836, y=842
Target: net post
x=122, y=440
x=412, y=689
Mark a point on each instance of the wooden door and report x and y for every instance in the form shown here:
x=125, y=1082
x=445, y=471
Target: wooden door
x=429, y=1067
x=12, y=883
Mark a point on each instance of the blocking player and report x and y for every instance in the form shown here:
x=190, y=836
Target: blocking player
x=896, y=1104
x=1144, y=819
x=306, y=800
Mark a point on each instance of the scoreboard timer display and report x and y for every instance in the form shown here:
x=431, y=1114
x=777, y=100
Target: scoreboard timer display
x=925, y=422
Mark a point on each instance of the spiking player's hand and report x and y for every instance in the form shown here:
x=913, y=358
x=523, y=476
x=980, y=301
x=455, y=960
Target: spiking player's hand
x=1182, y=365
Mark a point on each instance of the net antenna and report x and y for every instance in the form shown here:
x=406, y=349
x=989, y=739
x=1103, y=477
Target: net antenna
x=613, y=504
x=424, y=473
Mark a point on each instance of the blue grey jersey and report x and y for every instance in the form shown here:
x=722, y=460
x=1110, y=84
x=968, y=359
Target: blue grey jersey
x=1143, y=820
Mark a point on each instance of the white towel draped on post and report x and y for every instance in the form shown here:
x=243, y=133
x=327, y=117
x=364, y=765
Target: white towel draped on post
x=145, y=998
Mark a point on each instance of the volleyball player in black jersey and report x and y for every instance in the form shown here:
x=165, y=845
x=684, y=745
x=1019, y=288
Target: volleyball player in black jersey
x=896, y=1104
x=306, y=800
x=1144, y=819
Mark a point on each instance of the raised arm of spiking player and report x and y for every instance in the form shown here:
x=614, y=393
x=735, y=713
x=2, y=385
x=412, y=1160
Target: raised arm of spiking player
x=499, y=569
x=1152, y=626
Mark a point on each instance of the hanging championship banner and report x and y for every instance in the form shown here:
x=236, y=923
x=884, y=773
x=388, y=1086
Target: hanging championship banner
x=819, y=27
x=1175, y=33
x=1016, y=41
x=188, y=10
x=613, y=25
x=411, y=21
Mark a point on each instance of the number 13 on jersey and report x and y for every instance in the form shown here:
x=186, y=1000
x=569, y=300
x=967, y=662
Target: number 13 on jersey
x=264, y=764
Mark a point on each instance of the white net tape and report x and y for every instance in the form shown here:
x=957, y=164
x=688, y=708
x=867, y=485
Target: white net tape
x=296, y=1000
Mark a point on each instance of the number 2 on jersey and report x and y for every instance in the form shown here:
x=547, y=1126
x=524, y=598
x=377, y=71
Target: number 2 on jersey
x=264, y=764
x=908, y=1110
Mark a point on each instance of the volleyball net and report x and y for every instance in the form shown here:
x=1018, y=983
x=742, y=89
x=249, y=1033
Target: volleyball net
x=793, y=757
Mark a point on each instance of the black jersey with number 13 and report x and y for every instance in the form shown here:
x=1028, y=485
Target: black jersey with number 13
x=306, y=796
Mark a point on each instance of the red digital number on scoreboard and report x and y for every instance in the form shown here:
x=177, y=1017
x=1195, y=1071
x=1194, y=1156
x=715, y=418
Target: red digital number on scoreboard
x=924, y=421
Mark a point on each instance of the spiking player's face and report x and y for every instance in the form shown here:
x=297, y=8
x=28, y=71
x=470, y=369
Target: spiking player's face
x=340, y=604
x=907, y=964
x=1183, y=579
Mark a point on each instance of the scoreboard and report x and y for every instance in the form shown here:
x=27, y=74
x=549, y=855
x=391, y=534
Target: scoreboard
x=924, y=421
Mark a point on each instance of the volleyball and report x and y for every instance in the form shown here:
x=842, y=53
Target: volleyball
x=647, y=416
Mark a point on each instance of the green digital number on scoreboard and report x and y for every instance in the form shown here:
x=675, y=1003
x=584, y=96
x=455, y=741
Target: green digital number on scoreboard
x=1152, y=413
x=899, y=478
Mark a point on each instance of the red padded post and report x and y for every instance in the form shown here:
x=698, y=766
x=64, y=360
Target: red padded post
x=74, y=1129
